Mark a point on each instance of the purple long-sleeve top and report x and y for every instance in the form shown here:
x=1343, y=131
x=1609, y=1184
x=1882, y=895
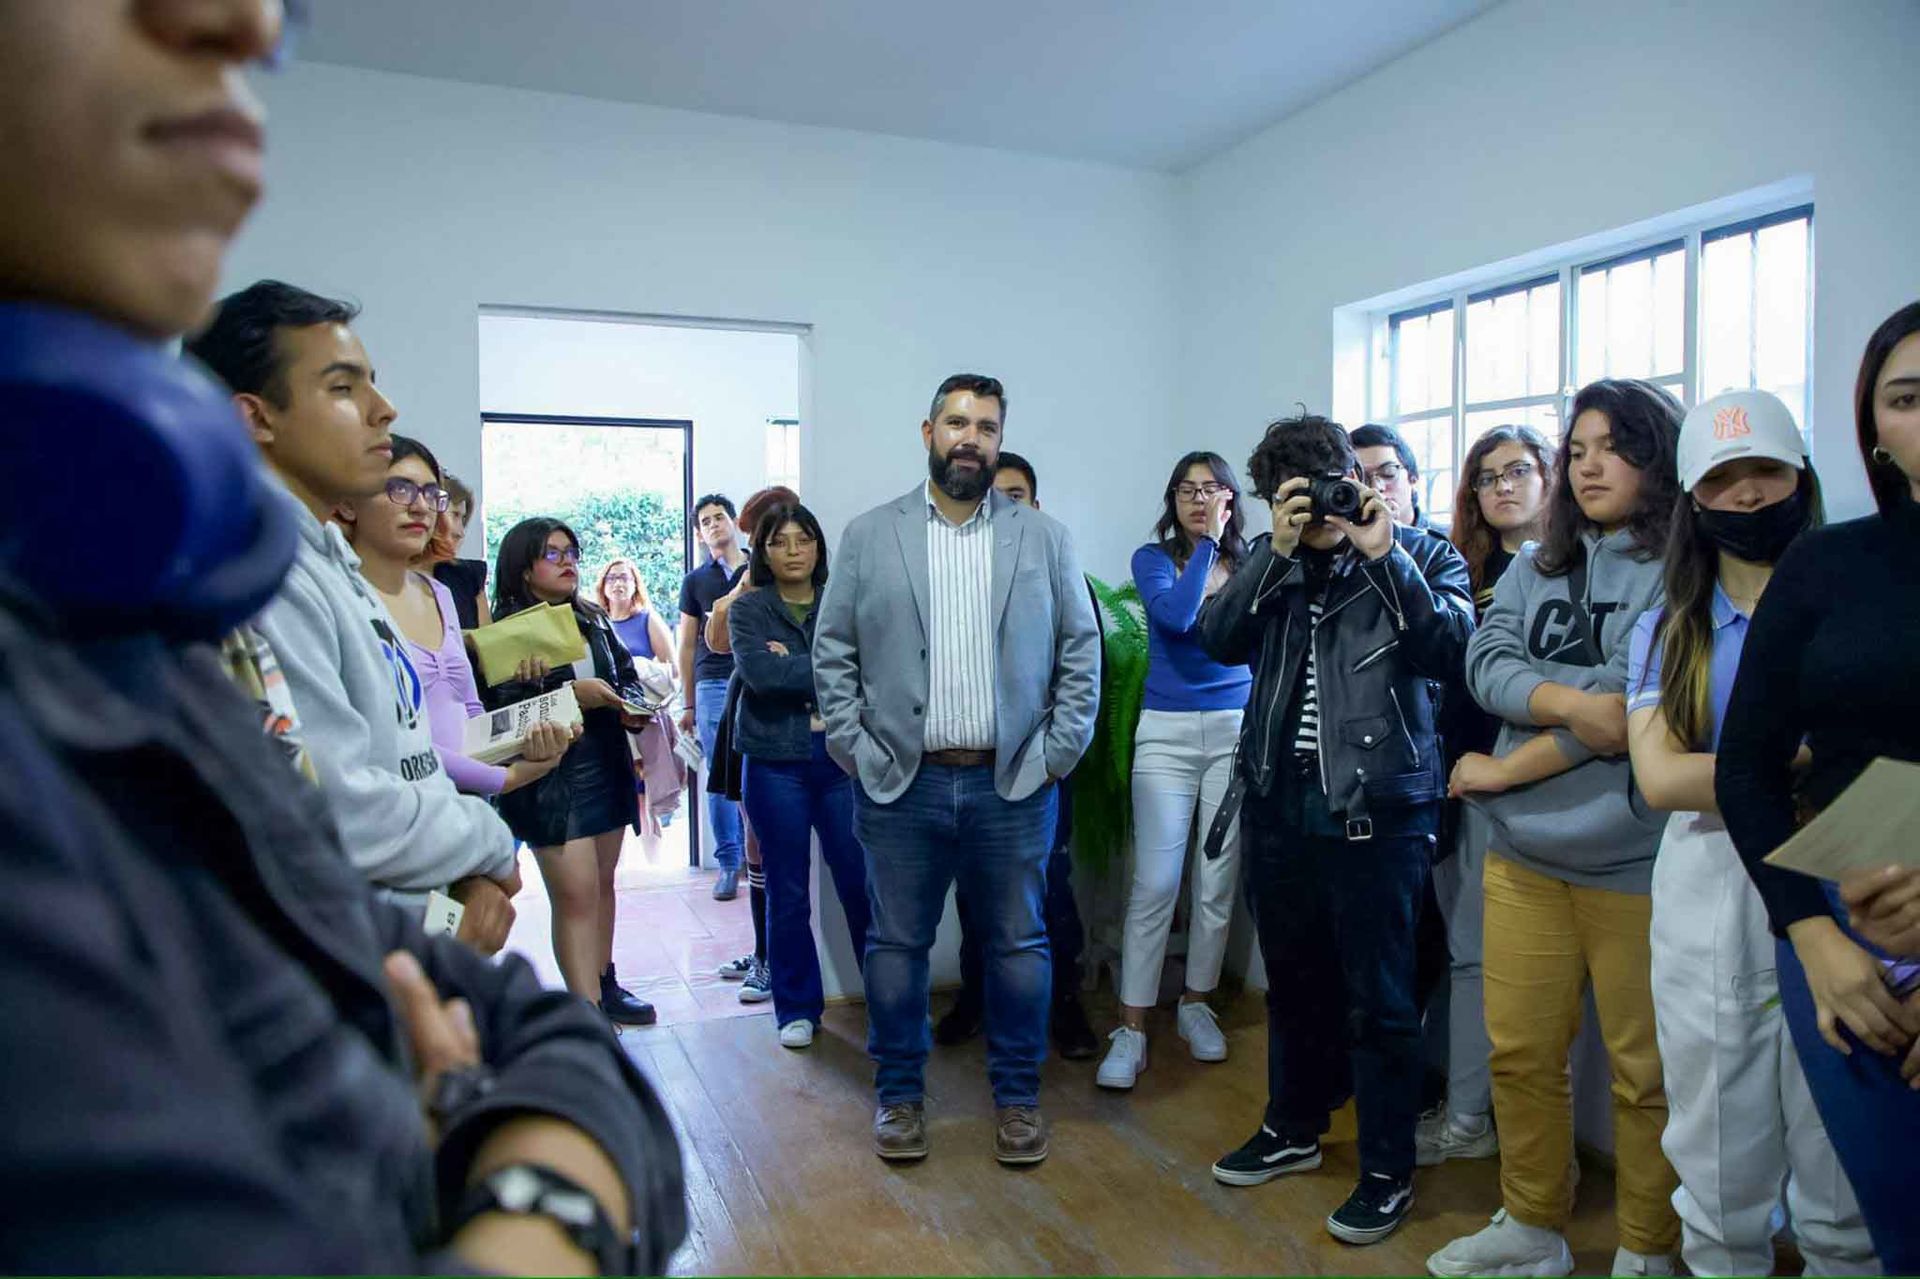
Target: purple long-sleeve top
x=1180, y=675
x=446, y=677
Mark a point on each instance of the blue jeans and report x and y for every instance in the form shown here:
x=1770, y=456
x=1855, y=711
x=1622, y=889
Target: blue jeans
x=788, y=803
x=952, y=825
x=1871, y=1115
x=1336, y=920
x=709, y=703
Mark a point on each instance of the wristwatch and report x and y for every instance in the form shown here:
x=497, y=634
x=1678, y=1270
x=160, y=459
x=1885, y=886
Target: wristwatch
x=534, y=1190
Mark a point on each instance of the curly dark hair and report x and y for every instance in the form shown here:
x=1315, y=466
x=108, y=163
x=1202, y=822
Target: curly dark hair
x=1645, y=420
x=1306, y=444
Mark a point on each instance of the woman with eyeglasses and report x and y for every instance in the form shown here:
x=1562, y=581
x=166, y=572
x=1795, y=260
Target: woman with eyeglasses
x=1182, y=762
x=623, y=593
x=388, y=533
x=794, y=791
x=576, y=818
x=1501, y=505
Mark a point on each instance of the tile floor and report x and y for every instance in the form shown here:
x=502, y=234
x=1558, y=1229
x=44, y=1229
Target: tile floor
x=669, y=935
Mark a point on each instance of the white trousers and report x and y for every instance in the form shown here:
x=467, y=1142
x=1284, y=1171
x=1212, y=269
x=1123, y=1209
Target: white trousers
x=1740, y=1119
x=1182, y=762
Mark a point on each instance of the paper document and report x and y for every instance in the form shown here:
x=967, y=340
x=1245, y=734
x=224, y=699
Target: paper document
x=549, y=631
x=494, y=737
x=1875, y=822
x=443, y=914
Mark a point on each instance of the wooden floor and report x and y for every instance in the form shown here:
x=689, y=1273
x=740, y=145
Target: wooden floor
x=781, y=1177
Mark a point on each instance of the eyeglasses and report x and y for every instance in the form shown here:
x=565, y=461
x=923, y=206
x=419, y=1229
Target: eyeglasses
x=1385, y=473
x=561, y=555
x=1197, y=492
x=403, y=492
x=1513, y=477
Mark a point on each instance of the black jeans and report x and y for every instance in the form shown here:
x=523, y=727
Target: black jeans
x=1336, y=920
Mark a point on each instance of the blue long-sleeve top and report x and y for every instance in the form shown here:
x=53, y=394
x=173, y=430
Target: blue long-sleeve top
x=1180, y=675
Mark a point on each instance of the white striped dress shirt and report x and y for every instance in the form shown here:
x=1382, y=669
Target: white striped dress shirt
x=960, y=665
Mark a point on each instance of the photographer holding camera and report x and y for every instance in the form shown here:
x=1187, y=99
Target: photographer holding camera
x=1351, y=622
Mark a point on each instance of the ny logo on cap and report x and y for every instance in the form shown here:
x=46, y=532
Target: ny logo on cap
x=1731, y=423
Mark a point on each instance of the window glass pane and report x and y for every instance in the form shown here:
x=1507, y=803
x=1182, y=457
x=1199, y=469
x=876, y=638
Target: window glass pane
x=1513, y=344
x=1726, y=314
x=1423, y=362
x=1431, y=439
x=1780, y=314
x=1543, y=340
x=1544, y=418
x=1633, y=318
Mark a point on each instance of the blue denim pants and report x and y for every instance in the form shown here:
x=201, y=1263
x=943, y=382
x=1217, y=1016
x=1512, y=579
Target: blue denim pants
x=952, y=826
x=710, y=702
x=789, y=803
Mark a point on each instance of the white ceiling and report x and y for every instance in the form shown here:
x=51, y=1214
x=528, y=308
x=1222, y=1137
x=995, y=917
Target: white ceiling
x=1157, y=84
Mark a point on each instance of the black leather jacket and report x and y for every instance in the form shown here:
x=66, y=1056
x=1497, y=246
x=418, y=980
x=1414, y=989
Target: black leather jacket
x=538, y=813
x=1393, y=632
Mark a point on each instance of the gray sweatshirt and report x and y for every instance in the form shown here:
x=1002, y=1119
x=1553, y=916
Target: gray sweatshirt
x=1587, y=826
x=364, y=716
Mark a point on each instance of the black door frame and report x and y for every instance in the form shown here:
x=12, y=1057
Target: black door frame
x=685, y=427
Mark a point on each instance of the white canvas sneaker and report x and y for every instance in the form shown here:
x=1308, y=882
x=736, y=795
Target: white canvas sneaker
x=1507, y=1247
x=1125, y=1059
x=1201, y=1029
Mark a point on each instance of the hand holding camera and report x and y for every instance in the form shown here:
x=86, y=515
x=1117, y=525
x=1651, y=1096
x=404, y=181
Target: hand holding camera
x=1338, y=500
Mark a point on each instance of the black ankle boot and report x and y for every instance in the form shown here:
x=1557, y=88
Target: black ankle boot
x=962, y=1021
x=622, y=1005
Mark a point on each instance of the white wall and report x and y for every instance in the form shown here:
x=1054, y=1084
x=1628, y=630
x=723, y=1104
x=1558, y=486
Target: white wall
x=427, y=199
x=1542, y=122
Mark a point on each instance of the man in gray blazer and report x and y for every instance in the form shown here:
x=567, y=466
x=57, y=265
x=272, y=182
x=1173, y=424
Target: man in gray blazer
x=956, y=663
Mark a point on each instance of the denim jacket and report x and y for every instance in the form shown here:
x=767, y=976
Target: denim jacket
x=774, y=721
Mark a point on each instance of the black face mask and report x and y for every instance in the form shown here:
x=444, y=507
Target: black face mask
x=1758, y=537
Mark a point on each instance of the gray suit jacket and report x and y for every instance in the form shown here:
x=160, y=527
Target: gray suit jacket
x=870, y=649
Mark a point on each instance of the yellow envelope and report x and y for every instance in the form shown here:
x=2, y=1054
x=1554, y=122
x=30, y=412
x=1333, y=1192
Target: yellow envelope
x=549, y=631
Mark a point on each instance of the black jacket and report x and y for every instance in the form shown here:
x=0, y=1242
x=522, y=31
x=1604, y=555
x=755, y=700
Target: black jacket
x=538, y=813
x=1393, y=633
x=774, y=719
x=199, y=1068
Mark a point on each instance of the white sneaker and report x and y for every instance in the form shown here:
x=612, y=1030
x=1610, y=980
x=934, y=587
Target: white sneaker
x=1507, y=1247
x=1125, y=1060
x=1452, y=1138
x=797, y=1034
x=1627, y=1262
x=1201, y=1029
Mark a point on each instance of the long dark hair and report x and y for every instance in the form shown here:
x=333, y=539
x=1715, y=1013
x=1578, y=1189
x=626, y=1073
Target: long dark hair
x=1473, y=537
x=1171, y=534
x=760, y=572
x=1645, y=421
x=1889, y=483
x=523, y=545
x=1685, y=630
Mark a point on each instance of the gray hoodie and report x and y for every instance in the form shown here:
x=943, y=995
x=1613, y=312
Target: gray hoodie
x=362, y=710
x=1587, y=826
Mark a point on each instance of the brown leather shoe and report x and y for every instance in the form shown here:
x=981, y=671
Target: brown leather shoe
x=1021, y=1137
x=900, y=1132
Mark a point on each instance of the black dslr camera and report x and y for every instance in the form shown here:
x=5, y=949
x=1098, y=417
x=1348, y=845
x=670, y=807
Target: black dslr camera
x=1335, y=494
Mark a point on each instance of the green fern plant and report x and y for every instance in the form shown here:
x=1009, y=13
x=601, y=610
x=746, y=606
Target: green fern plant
x=1103, y=784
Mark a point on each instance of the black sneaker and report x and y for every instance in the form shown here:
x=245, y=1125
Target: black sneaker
x=1265, y=1156
x=622, y=1005
x=1374, y=1210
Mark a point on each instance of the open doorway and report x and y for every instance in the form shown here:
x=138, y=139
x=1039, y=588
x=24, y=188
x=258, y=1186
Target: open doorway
x=616, y=424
